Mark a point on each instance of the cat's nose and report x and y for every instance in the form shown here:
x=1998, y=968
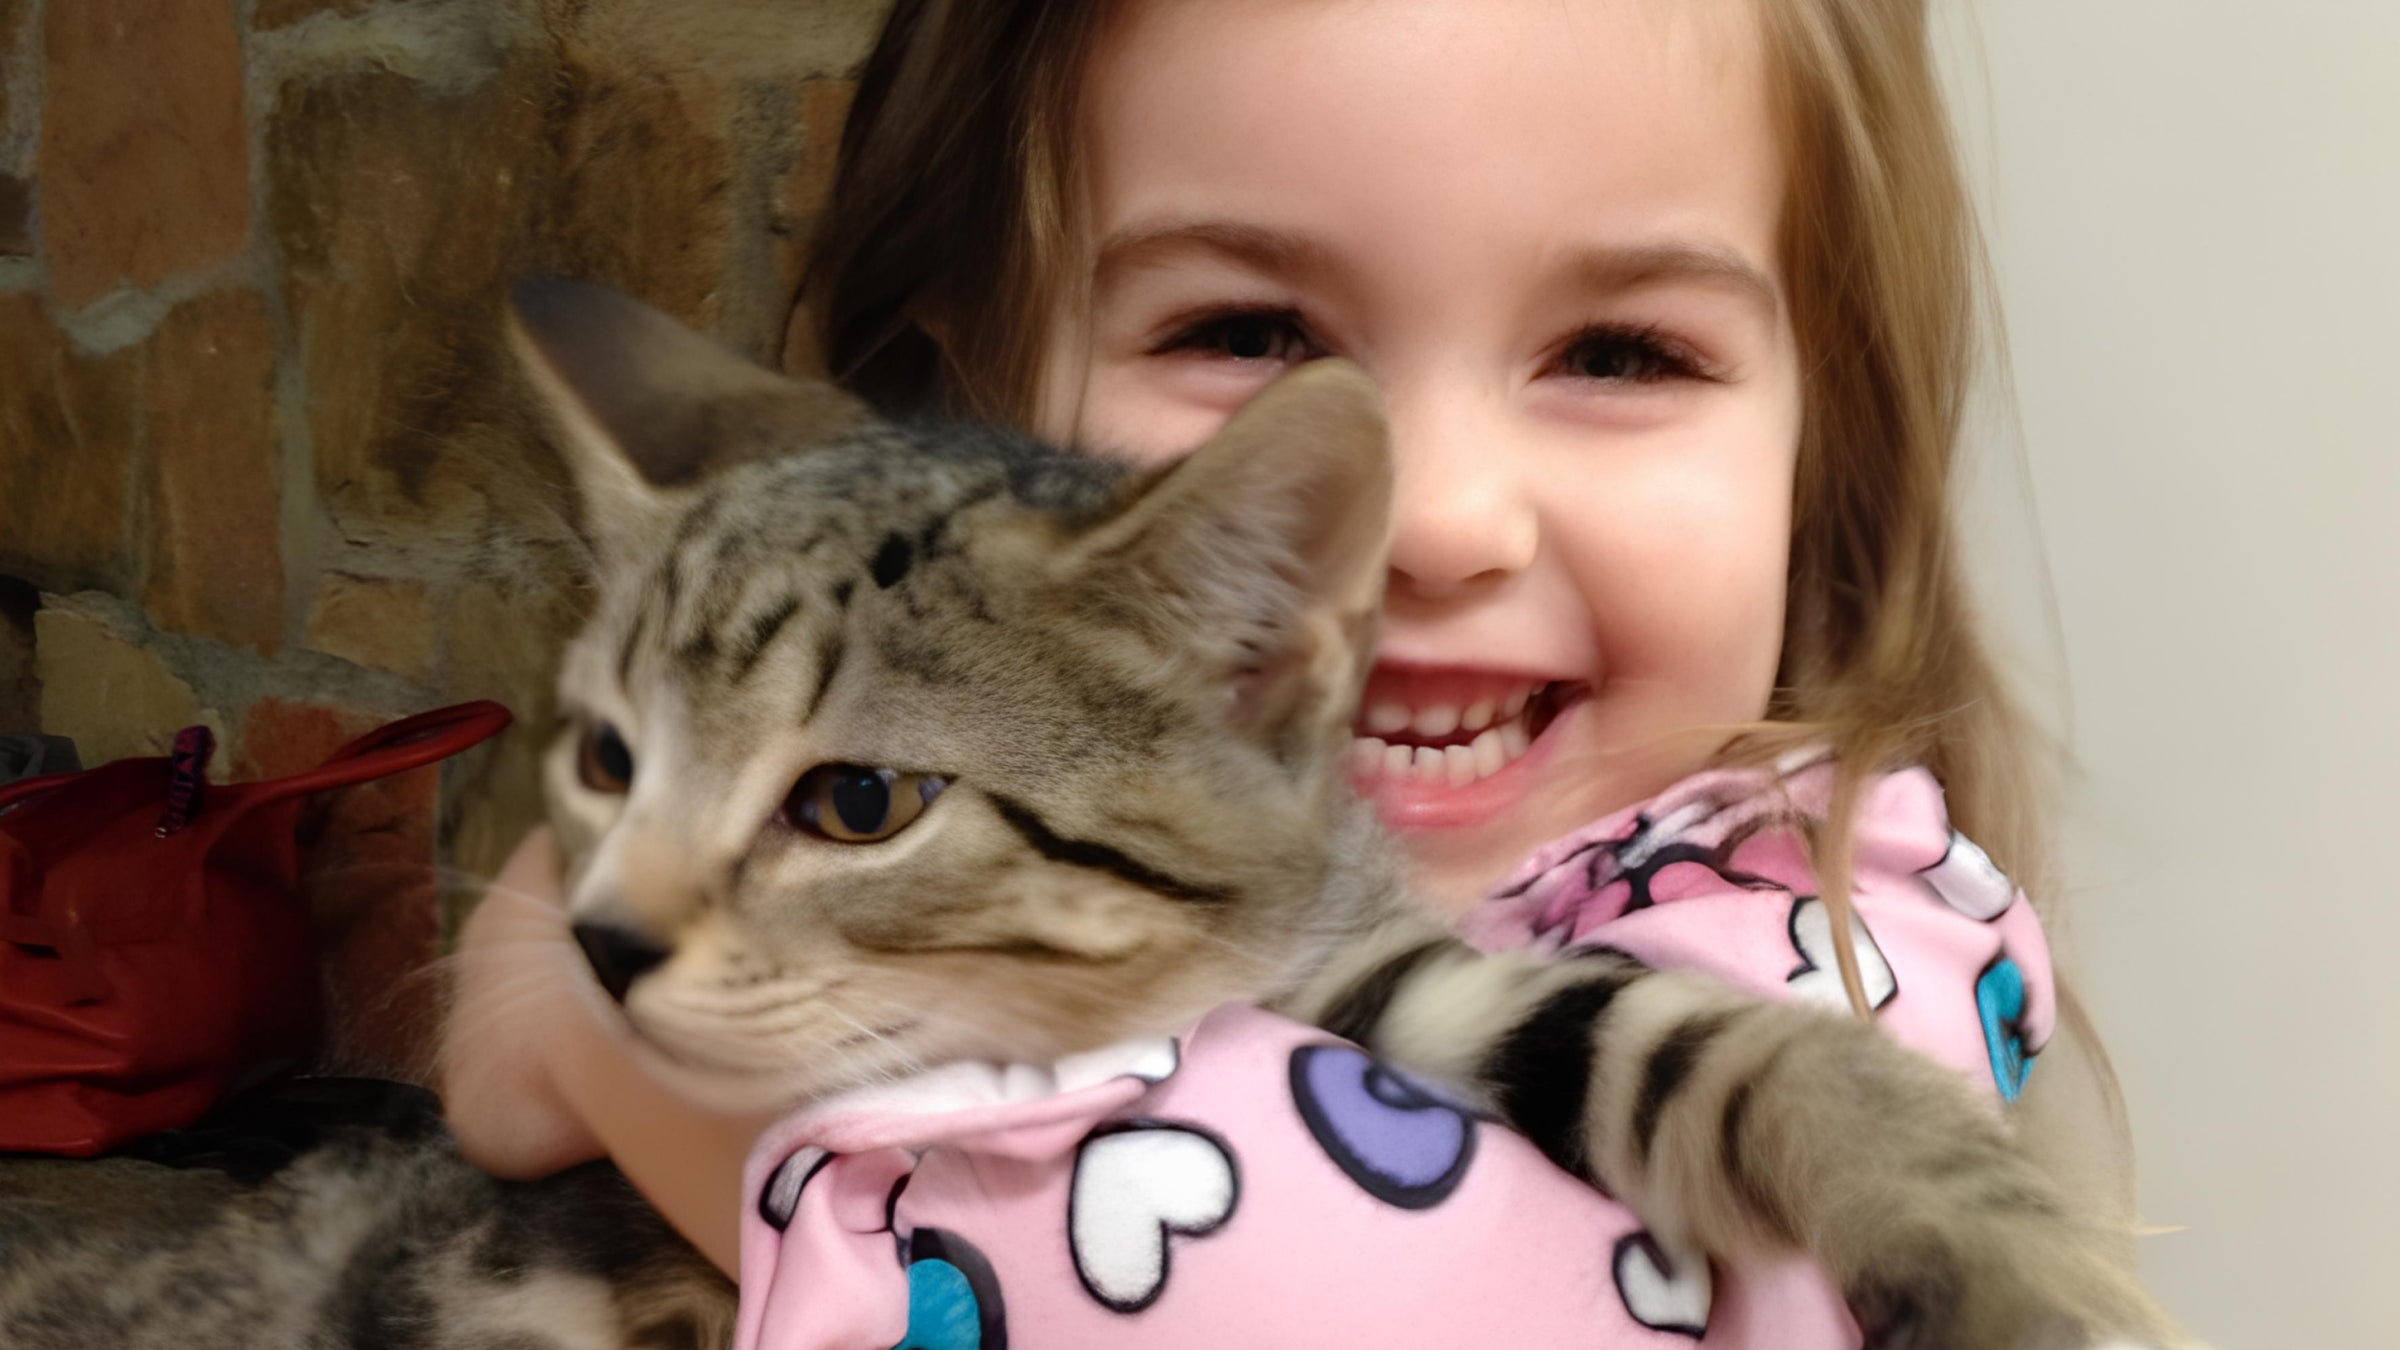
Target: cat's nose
x=619, y=956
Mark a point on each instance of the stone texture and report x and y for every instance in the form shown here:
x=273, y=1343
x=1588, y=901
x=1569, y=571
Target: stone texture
x=730, y=41
x=20, y=680
x=68, y=427
x=143, y=175
x=375, y=622
x=13, y=14
x=16, y=217
x=367, y=870
x=399, y=218
x=504, y=640
x=819, y=109
x=823, y=106
x=647, y=146
x=272, y=14
x=216, y=565
x=504, y=644
x=280, y=736
x=414, y=158
x=114, y=699
x=646, y=187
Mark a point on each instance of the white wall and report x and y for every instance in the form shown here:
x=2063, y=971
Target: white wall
x=2195, y=215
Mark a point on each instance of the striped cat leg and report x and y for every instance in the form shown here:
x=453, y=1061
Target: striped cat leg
x=1745, y=1125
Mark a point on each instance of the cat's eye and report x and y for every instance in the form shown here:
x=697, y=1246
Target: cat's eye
x=603, y=761
x=855, y=804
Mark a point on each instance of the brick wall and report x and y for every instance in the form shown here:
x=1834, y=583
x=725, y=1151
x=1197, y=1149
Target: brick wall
x=257, y=467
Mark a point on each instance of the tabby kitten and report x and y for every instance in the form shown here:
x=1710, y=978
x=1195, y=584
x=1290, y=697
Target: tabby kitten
x=890, y=746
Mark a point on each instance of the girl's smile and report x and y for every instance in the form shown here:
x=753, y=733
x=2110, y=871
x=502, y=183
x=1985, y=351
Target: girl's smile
x=1453, y=749
x=1551, y=234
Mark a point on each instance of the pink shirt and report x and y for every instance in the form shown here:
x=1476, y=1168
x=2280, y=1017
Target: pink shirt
x=1257, y=1183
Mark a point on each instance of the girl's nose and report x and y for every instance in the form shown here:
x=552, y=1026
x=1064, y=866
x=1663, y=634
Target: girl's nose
x=1463, y=514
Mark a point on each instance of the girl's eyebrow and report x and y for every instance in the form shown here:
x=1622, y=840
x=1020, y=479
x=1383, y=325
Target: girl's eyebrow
x=1263, y=248
x=1285, y=253
x=1672, y=262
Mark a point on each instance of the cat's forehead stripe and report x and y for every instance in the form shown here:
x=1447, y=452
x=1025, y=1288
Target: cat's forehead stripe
x=763, y=629
x=784, y=547
x=830, y=649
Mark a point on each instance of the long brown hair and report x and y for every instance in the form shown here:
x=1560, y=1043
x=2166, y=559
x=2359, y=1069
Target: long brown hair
x=956, y=204
x=955, y=200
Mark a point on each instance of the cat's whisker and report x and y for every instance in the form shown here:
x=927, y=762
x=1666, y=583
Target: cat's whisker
x=759, y=1001
x=907, y=1063
x=493, y=892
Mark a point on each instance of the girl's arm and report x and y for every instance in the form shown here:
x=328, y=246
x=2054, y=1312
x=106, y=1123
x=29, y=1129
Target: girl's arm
x=534, y=1080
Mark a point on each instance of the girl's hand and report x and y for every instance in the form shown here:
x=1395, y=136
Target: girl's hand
x=537, y=1078
x=515, y=1010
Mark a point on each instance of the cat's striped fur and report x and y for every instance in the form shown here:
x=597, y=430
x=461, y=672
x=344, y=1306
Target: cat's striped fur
x=332, y=1214
x=1137, y=691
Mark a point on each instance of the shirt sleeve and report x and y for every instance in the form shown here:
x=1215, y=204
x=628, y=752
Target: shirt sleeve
x=1950, y=953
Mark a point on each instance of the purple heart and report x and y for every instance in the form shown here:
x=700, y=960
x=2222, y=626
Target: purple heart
x=1399, y=1142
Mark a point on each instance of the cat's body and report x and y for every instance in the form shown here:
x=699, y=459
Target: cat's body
x=894, y=747
x=890, y=747
x=325, y=1216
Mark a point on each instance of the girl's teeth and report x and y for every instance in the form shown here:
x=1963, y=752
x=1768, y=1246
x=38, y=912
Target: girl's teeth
x=1514, y=740
x=1461, y=763
x=1493, y=748
x=1438, y=720
x=1476, y=717
x=1516, y=702
x=1385, y=718
x=1366, y=754
x=1488, y=753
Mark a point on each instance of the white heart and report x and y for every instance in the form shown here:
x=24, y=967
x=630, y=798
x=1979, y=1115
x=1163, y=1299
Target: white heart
x=1134, y=1186
x=1663, y=1290
x=1819, y=978
x=1152, y=1059
x=781, y=1198
x=1970, y=881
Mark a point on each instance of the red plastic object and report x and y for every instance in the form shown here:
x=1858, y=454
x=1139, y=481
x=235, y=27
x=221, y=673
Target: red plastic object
x=154, y=946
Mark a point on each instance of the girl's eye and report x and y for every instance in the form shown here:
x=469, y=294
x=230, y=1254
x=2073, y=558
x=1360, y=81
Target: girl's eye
x=603, y=761
x=1275, y=335
x=1628, y=356
x=854, y=804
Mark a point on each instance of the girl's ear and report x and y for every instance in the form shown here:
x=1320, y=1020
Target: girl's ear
x=1266, y=548
x=645, y=408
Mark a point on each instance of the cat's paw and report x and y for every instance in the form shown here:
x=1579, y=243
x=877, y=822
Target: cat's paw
x=2030, y=1286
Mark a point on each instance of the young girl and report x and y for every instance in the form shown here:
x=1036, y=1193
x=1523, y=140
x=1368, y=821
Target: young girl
x=1671, y=308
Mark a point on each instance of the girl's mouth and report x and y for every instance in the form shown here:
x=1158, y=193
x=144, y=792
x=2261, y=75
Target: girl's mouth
x=1446, y=749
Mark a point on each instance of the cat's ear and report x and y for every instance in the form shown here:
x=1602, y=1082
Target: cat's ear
x=646, y=408
x=1266, y=548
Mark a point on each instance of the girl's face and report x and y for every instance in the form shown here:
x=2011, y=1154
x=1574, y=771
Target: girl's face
x=1548, y=231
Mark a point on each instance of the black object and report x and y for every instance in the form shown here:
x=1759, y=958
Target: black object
x=258, y=1132
x=36, y=757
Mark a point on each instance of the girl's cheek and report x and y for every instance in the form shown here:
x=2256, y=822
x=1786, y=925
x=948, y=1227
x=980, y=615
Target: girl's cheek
x=1149, y=414
x=1680, y=549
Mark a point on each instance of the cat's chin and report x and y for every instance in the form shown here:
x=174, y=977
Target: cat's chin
x=731, y=1089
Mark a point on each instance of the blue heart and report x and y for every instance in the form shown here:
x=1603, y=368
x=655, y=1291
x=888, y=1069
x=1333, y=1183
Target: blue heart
x=2000, y=999
x=942, y=1314
x=1400, y=1143
x=953, y=1296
